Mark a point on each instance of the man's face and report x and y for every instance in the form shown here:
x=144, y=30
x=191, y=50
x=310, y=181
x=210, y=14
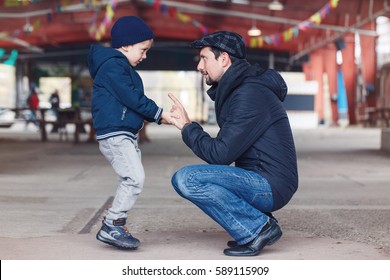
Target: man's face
x=210, y=67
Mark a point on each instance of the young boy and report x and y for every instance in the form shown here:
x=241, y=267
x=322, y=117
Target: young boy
x=119, y=108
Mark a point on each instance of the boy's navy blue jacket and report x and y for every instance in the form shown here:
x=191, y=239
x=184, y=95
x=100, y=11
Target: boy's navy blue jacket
x=119, y=105
x=255, y=131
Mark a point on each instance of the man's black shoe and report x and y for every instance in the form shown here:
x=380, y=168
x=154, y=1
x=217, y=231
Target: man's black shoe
x=233, y=243
x=268, y=236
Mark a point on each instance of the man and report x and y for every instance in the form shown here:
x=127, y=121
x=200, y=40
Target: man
x=254, y=134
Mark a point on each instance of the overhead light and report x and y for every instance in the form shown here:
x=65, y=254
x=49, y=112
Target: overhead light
x=28, y=28
x=275, y=5
x=243, y=2
x=254, y=31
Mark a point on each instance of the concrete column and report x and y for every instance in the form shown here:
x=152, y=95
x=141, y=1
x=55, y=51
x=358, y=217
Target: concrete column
x=331, y=70
x=349, y=71
x=369, y=62
x=314, y=70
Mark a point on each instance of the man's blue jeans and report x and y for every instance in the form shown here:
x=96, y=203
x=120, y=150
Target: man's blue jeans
x=233, y=197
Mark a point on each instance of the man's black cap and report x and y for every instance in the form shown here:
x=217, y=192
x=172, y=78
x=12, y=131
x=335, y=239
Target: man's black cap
x=227, y=41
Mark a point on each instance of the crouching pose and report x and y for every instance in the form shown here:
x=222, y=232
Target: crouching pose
x=254, y=134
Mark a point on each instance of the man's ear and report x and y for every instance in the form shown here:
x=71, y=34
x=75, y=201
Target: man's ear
x=225, y=59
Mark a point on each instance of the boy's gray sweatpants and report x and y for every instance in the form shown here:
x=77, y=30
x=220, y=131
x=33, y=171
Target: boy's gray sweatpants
x=125, y=158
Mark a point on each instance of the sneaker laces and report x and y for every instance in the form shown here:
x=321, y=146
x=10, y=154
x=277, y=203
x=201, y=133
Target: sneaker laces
x=127, y=233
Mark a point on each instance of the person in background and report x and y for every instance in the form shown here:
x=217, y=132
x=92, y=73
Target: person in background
x=33, y=105
x=55, y=107
x=119, y=109
x=254, y=134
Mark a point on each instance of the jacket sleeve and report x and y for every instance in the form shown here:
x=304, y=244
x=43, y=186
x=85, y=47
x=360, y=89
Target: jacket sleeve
x=248, y=117
x=126, y=86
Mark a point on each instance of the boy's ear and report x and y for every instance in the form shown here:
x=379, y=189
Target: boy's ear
x=125, y=48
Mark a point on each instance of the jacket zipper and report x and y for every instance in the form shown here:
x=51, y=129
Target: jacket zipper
x=123, y=113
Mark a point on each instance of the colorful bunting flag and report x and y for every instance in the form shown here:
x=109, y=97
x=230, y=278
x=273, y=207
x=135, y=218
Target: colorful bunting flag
x=16, y=3
x=97, y=31
x=12, y=58
x=257, y=42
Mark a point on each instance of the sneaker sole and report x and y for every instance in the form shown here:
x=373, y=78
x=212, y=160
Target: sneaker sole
x=115, y=244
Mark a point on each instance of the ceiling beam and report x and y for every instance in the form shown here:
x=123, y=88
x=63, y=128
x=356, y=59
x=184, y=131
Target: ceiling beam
x=24, y=44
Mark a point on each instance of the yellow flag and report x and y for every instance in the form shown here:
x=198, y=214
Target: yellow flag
x=334, y=3
x=182, y=17
x=288, y=34
x=316, y=18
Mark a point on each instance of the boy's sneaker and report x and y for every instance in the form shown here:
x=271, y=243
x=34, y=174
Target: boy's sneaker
x=117, y=236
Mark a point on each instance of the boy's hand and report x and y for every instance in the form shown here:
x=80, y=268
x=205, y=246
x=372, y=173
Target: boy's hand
x=166, y=118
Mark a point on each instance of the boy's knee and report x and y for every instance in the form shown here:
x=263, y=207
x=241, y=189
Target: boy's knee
x=136, y=183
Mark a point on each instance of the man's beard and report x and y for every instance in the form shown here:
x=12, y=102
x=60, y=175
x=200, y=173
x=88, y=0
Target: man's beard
x=209, y=81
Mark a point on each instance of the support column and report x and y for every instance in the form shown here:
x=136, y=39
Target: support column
x=369, y=62
x=331, y=70
x=349, y=71
x=314, y=70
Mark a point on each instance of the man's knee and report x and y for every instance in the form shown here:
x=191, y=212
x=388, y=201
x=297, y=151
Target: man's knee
x=180, y=182
x=177, y=181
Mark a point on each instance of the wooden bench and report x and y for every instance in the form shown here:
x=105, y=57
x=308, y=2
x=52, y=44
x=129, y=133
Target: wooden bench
x=377, y=117
x=67, y=116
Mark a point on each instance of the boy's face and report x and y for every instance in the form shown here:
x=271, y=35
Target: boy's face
x=137, y=52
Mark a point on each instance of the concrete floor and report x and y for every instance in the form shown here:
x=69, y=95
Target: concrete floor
x=53, y=196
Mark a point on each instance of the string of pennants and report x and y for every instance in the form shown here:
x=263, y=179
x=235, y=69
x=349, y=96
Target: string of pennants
x=293, y=32
x=253, y=42
x=98, y=29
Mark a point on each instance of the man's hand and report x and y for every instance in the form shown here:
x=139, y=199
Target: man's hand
x=179, y=114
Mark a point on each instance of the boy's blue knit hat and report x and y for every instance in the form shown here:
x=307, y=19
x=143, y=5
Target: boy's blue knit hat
x=129, y=30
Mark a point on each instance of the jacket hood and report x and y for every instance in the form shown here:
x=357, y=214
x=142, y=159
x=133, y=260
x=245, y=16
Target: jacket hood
x=268, y=78
x=98, y=55
x=241, y=70
x=274, y=81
